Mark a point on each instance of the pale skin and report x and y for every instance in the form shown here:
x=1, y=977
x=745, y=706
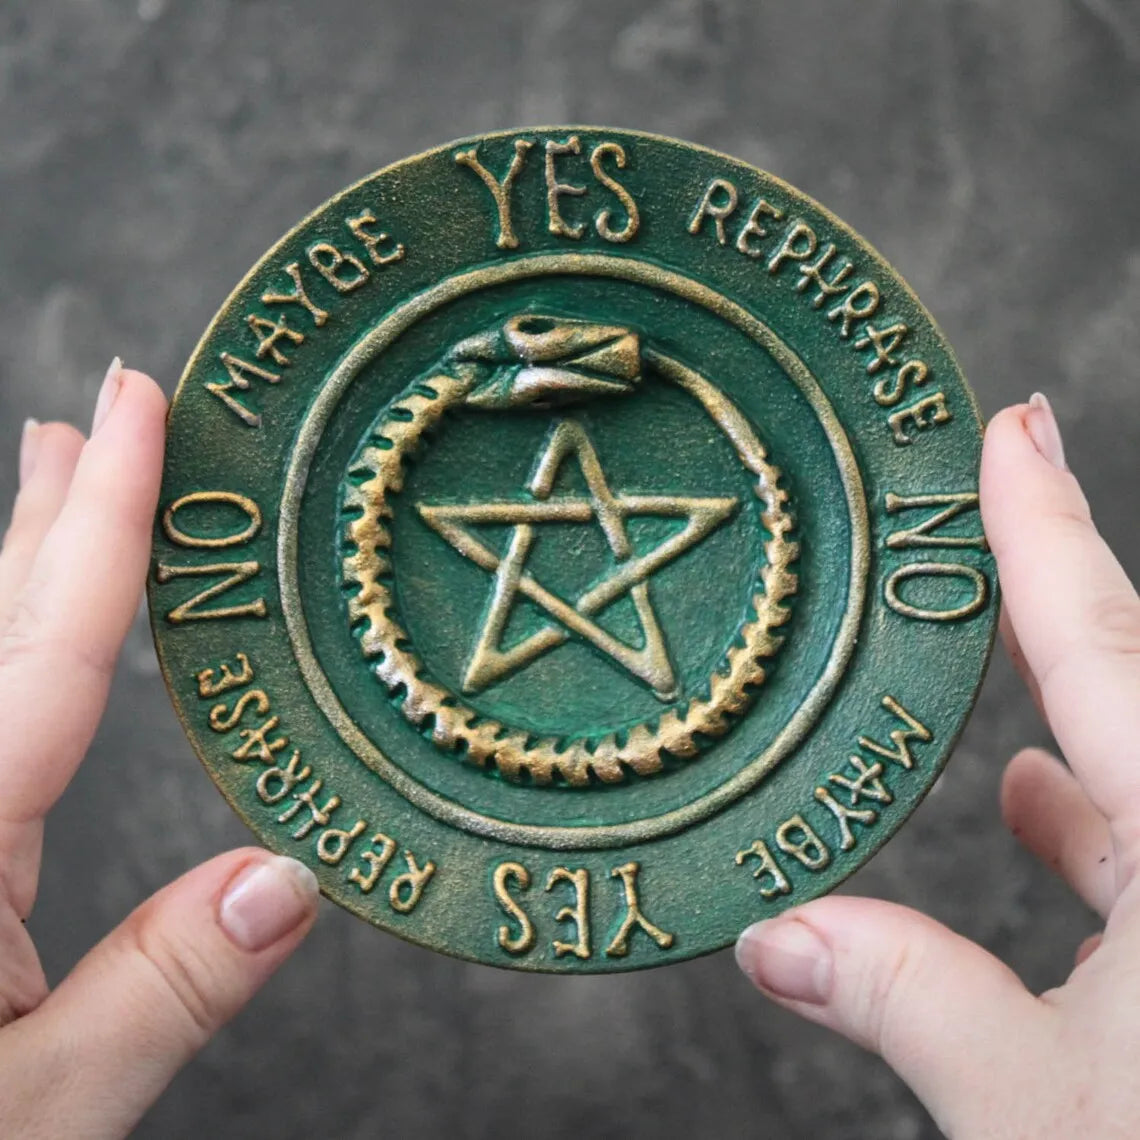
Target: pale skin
x=87, y=1059
x=988, y=1058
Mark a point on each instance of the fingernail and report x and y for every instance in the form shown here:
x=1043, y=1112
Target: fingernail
x=787, y=958
x=1041, y=424
x=112, y=382
x=29, y=446
x=267, y=901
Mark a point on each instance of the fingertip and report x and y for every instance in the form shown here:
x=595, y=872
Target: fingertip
x=1050, y=814
x=45, y=447
x=57, y=434
x=142, y=394
x=1009, y=418
x=245, y=911
x=1008, y=426
x=787, y=959
x=29, y=447
x=1042, y=428
x=793, y=955
x=142, y=382
x=1022, y=468
x=122, y=463
x=48, y=455
x=1007, y=452
x=1087, y=948
x=1020, y=779
x=268, y=899
x=126, y=394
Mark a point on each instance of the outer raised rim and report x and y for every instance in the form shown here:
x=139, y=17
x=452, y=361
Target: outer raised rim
x=858, y=241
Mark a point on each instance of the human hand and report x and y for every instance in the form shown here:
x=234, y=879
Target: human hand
x=987, y=1057
x=88, y=1058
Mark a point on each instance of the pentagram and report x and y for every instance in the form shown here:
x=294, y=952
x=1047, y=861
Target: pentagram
x=650, y=662
x=495, y=370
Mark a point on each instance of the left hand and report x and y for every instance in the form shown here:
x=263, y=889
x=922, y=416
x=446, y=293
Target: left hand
x=88, y=1059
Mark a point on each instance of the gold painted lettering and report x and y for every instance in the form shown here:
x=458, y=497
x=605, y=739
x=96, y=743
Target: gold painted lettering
x=239, y=372
x=799, y=244
x=603, y=216
x=285, y=779
x=720, y=199
x=923, y=535
x=257, y=742
x=844, y=815
x=523, y=941
x=810, y=850
x=752, y=227
x=297, y=297
x=867, y=784
x=888, y=391
x=858, y=305
x=208, y=687
x=813, y=274
x=317, y=815
x=934, y=404
x=236, y=573
x=407, y=889
x=901, y=738
x=556, y=223
x=376, y=860
x=884, y=343
x=578, y=914
x=334, y=842
x=634, y=918
x=223, y=719
x=373, y=242
x=500, y=191
x=268, y=333
x=768, y=867
x=244, y=504
x=974, y=577
x=330, y=262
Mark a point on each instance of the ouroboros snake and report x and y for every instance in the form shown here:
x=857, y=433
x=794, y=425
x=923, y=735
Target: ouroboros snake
x=486, y=742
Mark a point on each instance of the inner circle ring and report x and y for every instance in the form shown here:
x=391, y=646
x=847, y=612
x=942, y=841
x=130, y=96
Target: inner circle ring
x=396, y=663
x=308, y=439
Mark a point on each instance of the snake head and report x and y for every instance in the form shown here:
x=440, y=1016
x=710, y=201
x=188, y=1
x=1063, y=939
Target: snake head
x=540, y=361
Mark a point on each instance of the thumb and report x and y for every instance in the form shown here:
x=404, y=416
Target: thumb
x=942, y=1012
x=102, y=1047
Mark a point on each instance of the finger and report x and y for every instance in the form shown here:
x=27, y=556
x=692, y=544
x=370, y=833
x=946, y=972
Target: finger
x=1087, y=948
x=108, y=1040
x=1048, y=811
x=49, y=453
x=1075, y=614
x=941, y=1011
x=81, y=594
x=22, y=982
x=48, y=456
x=1017, y=657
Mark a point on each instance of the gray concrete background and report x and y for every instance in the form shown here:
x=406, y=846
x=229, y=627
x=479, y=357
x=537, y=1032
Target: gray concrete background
x=150, y=150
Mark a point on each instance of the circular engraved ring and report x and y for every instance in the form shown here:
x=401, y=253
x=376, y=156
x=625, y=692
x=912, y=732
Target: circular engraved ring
x=560, y=837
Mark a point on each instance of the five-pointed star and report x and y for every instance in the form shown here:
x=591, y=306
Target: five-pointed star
x=490, y=663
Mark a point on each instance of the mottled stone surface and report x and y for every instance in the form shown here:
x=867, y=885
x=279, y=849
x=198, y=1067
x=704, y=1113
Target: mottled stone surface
x=151, y=150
